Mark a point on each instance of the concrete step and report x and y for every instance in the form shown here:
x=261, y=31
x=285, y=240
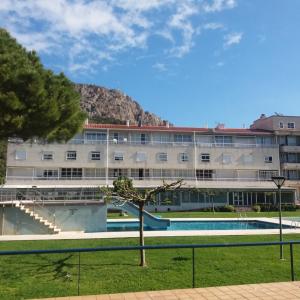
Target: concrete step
x=36, y=217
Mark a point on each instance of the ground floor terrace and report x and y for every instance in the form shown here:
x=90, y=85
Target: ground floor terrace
x=190, y=197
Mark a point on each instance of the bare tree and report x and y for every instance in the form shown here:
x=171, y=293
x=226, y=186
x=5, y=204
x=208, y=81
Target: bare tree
x=123, y=188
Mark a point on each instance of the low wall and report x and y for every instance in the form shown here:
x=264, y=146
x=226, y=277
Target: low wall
x=79, y=217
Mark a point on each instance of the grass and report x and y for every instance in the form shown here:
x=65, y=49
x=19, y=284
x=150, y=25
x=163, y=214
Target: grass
x=205, y=214
x=54, y=275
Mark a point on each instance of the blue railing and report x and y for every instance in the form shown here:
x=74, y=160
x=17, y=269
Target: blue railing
x=157, y=247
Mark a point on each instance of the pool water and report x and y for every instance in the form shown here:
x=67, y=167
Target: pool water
x=196, y=225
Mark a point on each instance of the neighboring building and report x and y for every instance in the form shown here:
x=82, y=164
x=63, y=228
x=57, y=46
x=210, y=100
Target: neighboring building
x=234, y=165
x=286, y=130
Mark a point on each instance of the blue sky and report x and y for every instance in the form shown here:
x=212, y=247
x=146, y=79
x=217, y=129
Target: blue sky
x=192, y=62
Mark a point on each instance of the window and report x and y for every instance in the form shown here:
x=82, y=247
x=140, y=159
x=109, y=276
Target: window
x=182, y=138
x=141, y=156
x=94, y=173
x=95, y=155
x=50, y=173
x=183, y=157
x=162, y=156
x=268, y=159
x=223, y=140
x=291, y=125
x=143, y=138
x=267, y=175
x=20, y=155
x=292, y=141
x=205, y=157
x=116, y=136
x=95, y=136
x=71, y=155
x=47, y=156
x=281, y=125
x=204, y=174
x=118, y=156
x=71, y=172
x=115, y=173
x=183, y=173
x=162, y=173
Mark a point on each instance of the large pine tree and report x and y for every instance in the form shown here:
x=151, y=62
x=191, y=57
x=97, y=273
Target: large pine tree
x=34, y=102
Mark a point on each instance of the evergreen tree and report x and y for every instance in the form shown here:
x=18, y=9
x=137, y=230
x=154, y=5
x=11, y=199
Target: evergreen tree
x=34, y=102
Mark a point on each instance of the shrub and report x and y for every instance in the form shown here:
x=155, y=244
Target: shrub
x=227, y=208
x=256, y=208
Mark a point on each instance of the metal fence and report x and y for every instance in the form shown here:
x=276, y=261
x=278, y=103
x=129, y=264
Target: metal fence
x=158, y=247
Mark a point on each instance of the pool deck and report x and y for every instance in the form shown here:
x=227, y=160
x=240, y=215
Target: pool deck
x=262, y=291
x=128, y=234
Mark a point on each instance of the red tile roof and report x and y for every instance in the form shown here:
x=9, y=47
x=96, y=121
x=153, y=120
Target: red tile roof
x=239, y=131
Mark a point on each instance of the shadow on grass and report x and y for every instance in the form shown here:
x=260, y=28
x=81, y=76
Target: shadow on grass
x=62, y=268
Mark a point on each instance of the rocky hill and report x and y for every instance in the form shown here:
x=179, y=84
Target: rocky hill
x=112, y=106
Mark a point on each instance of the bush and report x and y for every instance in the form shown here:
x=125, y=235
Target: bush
x=227, y=208
x=256, y=208
x=284, y=207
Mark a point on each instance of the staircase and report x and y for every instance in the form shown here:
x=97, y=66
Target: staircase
x=36, y=217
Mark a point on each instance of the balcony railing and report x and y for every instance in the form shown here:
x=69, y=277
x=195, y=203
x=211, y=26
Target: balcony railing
x=172, y=143
x=158, y=178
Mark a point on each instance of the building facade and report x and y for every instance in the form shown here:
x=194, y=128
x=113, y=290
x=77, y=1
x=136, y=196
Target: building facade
x=286, y=131
x=219, y=166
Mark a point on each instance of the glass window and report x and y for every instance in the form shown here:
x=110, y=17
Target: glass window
x=95, y=136
x=223, y=140
x=50, y=173
x=92, y=172
x=183, y=157
x=205, y=157
x=71, y=172
x=267, y=175
x=47, y=156
x=71, y=155
x=119, y=156
x=282, y=140
x=268, y=159
x=183, y=138
x=281, y=125
x=292, y=141
x=204, y=174
x=115, y=173
x=20, y=155
x=95, y=155
x=291, y=125
x=292, y=157
x=162, y=156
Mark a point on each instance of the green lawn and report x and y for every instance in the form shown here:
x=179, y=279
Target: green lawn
x=204, y=214
x=53, y=275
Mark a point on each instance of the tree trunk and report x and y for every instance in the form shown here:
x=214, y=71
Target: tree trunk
x=142, y=242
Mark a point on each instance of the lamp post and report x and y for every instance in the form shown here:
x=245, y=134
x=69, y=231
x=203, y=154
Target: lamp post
x=279, y=181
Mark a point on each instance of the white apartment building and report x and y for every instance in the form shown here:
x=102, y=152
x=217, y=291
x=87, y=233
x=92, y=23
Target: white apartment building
x=219, y=166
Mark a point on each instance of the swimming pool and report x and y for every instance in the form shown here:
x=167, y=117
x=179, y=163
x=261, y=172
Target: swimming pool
x=197, y=225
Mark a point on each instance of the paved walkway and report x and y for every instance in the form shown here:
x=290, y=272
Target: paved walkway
x=67, y=235
x=264, y=291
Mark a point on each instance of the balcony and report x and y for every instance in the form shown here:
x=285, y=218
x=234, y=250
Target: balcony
x=290, y=148
x=171, y=143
